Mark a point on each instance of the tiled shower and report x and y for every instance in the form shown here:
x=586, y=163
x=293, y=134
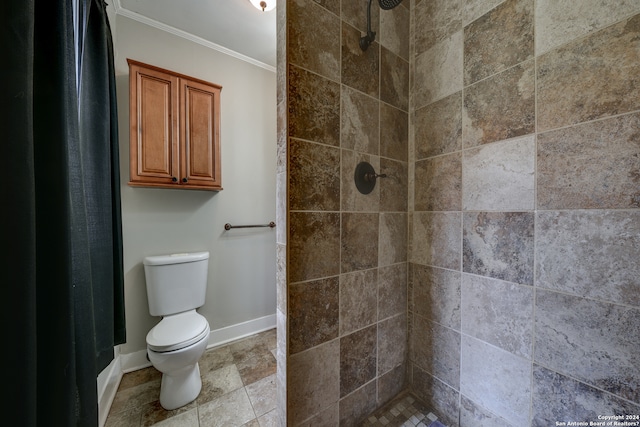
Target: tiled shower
x=346, y=252
x=494, y=272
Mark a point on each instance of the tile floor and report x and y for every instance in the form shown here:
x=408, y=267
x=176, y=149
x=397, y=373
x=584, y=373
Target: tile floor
x=238, y=389
x=403, y=411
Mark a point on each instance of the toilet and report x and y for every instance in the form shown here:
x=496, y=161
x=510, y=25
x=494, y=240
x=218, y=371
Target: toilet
x=176, y=287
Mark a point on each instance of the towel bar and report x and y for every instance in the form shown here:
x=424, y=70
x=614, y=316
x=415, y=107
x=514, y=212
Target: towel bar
x=228, y=226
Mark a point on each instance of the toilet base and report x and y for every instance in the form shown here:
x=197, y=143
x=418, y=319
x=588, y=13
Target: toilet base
x=180, y=387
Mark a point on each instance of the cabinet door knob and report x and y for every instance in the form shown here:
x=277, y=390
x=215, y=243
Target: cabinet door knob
x=174, y=179
x=185, y=180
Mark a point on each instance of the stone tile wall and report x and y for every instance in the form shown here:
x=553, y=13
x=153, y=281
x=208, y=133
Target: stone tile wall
x=524, y=219
x=343, y=254
x=282, y=297
x=522, y=162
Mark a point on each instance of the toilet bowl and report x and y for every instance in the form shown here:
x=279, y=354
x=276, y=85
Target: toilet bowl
x=174, y=347
x=176, y=287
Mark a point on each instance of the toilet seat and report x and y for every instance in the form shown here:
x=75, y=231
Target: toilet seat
x=177, y=331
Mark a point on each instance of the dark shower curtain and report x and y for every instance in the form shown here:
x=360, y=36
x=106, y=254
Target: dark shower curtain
x=63, y=308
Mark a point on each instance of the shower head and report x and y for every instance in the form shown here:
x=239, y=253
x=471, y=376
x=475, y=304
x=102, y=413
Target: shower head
x=366, y=40
x=389, y=4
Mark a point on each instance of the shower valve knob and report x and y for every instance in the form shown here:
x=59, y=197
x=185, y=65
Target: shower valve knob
x=373, y=176
x=365, y=177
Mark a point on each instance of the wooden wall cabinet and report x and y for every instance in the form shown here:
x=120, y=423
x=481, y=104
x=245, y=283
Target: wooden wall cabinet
x=174, y=130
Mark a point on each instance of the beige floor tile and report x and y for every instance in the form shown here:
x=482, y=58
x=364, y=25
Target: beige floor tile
x=186, y=419
x=219, y=383
x=270, y=419
x=231, y=409
x=224, y=399
x=262, y=395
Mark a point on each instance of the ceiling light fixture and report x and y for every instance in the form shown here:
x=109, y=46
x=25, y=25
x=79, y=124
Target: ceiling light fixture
x=264, y=5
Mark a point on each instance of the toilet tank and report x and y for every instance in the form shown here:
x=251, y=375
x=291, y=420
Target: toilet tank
x=176, y=283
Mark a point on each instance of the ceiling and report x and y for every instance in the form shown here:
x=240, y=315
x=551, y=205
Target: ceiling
x=234, y=26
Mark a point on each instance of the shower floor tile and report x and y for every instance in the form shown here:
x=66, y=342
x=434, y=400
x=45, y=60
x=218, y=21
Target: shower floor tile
x=403, y=411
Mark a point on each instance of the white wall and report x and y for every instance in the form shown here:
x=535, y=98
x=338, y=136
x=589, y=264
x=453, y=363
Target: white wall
x=159, y=221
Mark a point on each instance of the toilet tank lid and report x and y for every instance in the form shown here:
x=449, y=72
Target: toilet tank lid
x=176, y=258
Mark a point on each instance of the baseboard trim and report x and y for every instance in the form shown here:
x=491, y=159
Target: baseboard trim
x=238, y=331
x=108, y=382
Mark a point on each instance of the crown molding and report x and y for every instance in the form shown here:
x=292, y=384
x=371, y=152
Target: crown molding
x=188, y=36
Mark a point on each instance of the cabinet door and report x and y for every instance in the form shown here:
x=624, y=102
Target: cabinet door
x=200, y=134
x=154, y=129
